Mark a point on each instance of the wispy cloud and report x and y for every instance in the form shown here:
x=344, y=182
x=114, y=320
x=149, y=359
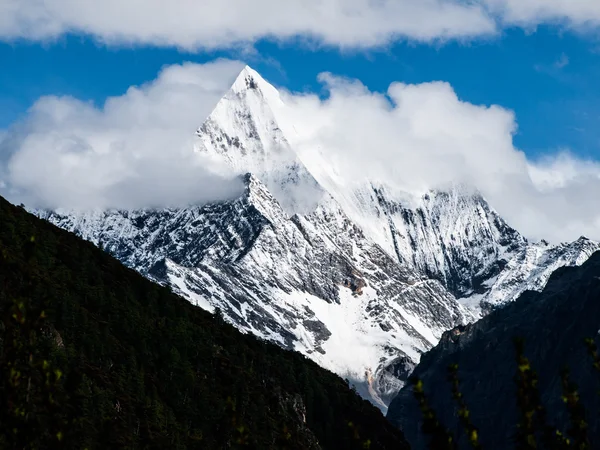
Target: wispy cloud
x=562, y=61
x=555, y=69
x=348, y=24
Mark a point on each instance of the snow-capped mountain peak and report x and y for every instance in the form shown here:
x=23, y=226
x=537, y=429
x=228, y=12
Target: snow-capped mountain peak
x=359, y=277
x=243, y=128
x=250, y=80
x=244, y=132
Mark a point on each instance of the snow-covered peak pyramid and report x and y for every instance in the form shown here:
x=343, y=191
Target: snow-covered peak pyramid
x=243, y=130
x=250, y=79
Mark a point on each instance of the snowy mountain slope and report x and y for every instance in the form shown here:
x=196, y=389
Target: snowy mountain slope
x=454, y=236
x=313, y=283
x=457, y=238
x=360, y=278
x=531, y=268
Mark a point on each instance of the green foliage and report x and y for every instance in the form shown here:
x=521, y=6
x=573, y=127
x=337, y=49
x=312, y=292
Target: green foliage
x=578, y=424
x=533, y=430
x=440, y=437
x=533, y=421
x=95, y=356
x=30, y=384
x=463, y=411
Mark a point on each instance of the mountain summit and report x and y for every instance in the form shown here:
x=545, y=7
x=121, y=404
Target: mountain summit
x=244, y=131
x=355, y=278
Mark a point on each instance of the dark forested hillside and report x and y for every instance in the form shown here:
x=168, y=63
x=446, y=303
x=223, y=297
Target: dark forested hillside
x=559, y=329
x=92, y=355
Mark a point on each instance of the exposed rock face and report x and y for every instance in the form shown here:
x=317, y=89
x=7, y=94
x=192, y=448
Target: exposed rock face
x=354, y=277
x=553, y=324
x=293, y=406
x=452, y=236
x=312, y=283
x=455, y=237
x=531, y=267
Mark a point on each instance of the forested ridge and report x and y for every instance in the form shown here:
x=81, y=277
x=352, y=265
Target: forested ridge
x=93, y=355
x=525, y=376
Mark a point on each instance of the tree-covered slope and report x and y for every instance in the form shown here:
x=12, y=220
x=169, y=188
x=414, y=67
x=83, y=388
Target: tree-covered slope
x=93, y=355
x=559, y=328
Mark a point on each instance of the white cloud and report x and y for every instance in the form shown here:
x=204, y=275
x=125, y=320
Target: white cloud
x=209, y=24
x=193, y=24
x=136, y=150
x=573, y=13
x=422, y=136
x=562, y=62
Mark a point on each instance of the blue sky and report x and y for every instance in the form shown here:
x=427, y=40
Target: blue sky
x=548, y=78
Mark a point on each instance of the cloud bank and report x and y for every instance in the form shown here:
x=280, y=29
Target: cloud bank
x=136, y=150
x=418, y=137
x=133, y=151
x=210, y=24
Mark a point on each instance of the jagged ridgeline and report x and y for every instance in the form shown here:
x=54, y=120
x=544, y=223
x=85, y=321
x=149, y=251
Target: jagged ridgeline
x=93, y=355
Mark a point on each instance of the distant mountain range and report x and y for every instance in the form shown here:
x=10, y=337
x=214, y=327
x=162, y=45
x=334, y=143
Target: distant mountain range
x=362, y=279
